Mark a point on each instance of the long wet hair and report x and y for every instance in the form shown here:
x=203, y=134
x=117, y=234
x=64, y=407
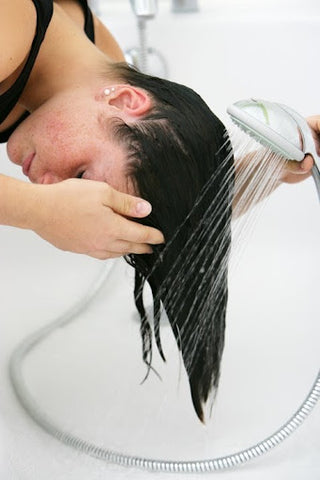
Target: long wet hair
x=180, y=160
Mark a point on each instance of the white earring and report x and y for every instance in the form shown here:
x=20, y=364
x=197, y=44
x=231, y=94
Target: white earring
x=107, y=91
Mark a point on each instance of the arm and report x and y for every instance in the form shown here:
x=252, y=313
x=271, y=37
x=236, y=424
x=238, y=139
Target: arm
x=76, y=215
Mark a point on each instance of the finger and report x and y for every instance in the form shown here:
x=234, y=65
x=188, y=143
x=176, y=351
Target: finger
x=103, y=255
x=134, y=232
x=121, y=248
x=295, y=172
x=306, y=164
x=314, y=123
x=300, y=168
x=127, y=205
x=124, y=248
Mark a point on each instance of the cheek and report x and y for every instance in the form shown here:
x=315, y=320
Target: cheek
x=60, y=138
x=68, y=135
x=42, y=132
x=56, y=131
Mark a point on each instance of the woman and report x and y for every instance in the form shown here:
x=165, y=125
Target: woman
x=94, y=118
x=77, y=216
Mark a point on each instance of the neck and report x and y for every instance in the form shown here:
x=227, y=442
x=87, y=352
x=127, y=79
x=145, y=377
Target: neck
x=56, y=70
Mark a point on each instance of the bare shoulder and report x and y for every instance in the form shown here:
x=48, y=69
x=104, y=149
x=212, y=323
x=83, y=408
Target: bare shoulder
x=18, y=20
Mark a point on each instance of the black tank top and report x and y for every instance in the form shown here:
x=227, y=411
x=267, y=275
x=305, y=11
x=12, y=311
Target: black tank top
x=11, y=97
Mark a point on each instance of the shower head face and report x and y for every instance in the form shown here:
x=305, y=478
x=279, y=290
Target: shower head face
x=271, y=125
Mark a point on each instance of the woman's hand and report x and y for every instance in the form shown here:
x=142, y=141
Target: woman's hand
x=295, y=172
x=88, y=217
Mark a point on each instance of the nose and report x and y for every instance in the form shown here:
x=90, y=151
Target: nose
x=48, y=178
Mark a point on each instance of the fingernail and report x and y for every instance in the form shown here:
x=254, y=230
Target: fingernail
x=143, y=208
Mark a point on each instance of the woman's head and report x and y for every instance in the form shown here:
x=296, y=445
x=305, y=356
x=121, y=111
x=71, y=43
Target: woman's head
x=180, y=159
x=70, y=133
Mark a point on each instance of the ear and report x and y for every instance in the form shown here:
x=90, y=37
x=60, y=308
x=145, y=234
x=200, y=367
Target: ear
x=130, y=100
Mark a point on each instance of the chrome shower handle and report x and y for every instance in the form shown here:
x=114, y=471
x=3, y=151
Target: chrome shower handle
x=144, y=8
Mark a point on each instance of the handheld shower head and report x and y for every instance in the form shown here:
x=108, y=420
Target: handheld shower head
x=279, y=128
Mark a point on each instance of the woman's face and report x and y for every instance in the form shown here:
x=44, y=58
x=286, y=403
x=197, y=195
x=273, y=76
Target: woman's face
x=70, y=136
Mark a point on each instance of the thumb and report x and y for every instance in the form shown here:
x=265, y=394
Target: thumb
x=128, y=205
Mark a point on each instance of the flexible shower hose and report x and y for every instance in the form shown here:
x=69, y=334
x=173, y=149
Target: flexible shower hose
x=194, y=466
x=143, y=49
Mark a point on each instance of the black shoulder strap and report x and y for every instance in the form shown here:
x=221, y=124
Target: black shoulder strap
x=10, y=97
x=88, y=20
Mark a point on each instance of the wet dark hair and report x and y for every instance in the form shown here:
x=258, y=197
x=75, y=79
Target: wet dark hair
x=180, y=160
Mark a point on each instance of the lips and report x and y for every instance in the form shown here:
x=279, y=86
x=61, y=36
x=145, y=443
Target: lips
x=27, y=164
